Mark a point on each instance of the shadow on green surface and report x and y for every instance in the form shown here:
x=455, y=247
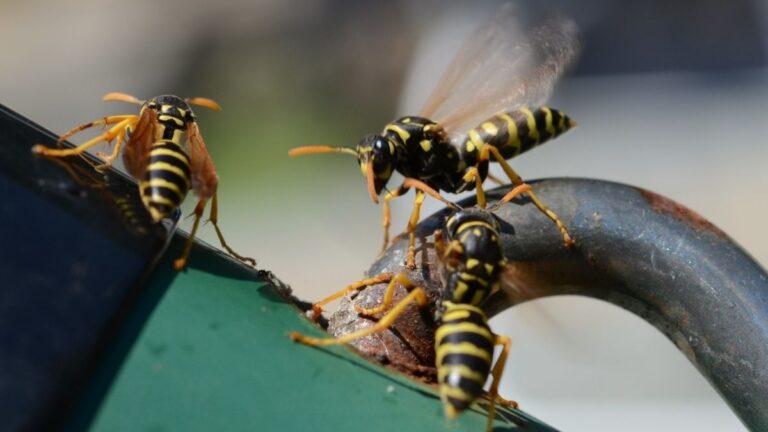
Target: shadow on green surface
x=152, y=293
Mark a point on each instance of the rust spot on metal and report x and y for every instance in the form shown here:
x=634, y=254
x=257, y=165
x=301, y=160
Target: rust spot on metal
x=408, y=345
x=683, y=214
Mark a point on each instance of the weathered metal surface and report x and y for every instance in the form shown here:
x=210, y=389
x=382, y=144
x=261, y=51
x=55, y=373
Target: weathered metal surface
x=635, y=249
x=74, y=247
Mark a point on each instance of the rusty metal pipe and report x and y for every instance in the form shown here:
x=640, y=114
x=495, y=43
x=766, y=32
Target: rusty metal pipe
x=635, y=249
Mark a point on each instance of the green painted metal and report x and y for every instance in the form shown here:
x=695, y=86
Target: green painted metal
x=214, y=354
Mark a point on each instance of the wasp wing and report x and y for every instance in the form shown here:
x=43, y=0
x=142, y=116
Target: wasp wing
x=136, y=152
x=512, y=61
x=204, y=178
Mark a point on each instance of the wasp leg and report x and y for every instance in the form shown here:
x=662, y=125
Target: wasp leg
x=181, y=262
x=517, y=181
x=103, y=121
x=107, y=136
x=421, y=189
x=213, y=216
x=410, y=182
x=387, y=218
x=410, y=258
x=498, y=369
x=417, y=296
x=474, y=174
x=399, y=278
x=517, y=190
x=509, y=403
x=109, y=159
x=317, y=308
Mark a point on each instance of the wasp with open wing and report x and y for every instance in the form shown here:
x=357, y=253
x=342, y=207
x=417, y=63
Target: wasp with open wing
x=165, y=152
x=489, y=103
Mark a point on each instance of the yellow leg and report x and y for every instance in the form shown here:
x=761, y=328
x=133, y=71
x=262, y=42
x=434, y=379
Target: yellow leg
x=417, y=295
x=109, y=159
x=498, y=369
x=387, y=217
x=181, y=262
x=420, y=185
x=517, y=190
x=474, y=174
x=106, y=136
x=517, y=181
x=103, y=121
x=422, y=189
x=213, y=216
x=509, y=403
x=410, y=258
x=317, y=308
x=401, y=279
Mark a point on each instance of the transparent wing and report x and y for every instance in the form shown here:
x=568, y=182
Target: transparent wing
x=204, y=178
x=512, y=61
x=136, y=151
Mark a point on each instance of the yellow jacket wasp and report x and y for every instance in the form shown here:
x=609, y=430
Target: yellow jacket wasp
x=165, y=152
x=488, y=103
x=472, y=260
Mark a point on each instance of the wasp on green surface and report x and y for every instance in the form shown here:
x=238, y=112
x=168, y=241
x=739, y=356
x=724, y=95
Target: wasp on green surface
x=165, y=152
x=489, y=103
x=472, y=262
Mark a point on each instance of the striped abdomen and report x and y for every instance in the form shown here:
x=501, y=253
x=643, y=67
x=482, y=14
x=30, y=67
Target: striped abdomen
x=477, y=274
x=516, y=131
x=464, y=345
x=167, y=179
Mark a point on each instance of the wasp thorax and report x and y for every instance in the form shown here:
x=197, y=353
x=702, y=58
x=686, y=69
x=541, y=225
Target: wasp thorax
x=377, y=154
x=460, y=220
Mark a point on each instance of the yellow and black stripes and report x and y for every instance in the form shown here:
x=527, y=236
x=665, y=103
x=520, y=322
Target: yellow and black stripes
x=472, y=259
x=516, y=132
x=475, y=243
x=167, y=178
x=464, y=346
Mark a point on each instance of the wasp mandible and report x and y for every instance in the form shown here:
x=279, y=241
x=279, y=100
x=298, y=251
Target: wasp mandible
x=165, y=152
x=488, y=103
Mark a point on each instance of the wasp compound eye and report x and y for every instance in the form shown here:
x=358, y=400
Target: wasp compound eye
x=376, y=152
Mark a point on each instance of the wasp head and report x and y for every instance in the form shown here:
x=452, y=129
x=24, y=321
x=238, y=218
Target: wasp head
x=377, y=158
x=171, y=105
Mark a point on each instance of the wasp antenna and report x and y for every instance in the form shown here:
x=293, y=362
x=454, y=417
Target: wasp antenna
x=204, y=102
x=121, y=97
x=298, y=151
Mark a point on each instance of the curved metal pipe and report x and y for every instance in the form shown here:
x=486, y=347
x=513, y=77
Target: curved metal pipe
x=635, y=249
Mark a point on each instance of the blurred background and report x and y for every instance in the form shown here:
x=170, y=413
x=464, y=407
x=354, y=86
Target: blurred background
x=670, y=95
